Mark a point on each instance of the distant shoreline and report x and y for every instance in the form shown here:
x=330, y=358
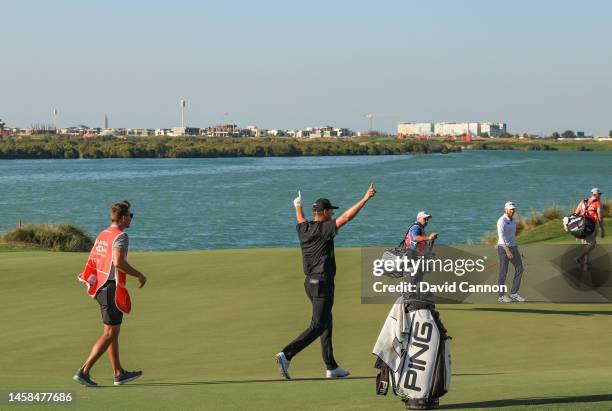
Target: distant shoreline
x=32, y=148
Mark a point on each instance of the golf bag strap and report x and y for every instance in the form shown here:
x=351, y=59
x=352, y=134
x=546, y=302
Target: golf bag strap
x=402, y=244
x=441, y=327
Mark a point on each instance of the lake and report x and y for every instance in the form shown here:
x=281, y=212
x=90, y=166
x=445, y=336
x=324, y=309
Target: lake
x=183, y=204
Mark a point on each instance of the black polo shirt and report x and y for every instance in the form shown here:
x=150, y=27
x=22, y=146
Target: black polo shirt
x=317, y=242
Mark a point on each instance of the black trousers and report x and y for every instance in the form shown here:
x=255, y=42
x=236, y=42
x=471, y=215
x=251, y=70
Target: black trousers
x=321, y=295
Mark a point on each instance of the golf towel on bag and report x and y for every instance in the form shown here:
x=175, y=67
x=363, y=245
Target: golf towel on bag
x=424, y=368
x=388, y=346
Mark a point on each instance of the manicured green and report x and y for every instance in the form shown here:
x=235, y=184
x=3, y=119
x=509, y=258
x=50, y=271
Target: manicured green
x=206, y=326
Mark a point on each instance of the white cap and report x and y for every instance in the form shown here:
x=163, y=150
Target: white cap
x=596, y=190
x=509, y=205
x=423, y=214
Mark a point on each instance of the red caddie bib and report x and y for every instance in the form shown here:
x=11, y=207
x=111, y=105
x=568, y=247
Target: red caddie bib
x=591, y=209
x=98, y=268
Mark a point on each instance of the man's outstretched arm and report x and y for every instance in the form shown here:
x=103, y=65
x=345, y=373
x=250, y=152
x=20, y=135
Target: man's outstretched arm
x=299, y=213
x=349, y=214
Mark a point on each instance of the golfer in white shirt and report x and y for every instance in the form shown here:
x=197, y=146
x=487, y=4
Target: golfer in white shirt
x=508, y=252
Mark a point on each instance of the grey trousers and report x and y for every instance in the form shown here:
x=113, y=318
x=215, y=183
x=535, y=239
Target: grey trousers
x=503, y=268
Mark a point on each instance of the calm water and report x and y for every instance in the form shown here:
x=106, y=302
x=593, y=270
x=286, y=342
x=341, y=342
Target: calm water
x=184, y=204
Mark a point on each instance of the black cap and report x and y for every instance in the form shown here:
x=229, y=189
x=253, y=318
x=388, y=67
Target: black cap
x=323, y=204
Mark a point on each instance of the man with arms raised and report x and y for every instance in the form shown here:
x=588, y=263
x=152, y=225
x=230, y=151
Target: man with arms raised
x=317, y=243
x=105, y=276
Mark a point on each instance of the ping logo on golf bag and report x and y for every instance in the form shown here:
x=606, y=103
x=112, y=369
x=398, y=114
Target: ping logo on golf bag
x=415, y=375
x=421, y=339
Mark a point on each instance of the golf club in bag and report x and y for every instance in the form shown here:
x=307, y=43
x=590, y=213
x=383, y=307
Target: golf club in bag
x=413, y=347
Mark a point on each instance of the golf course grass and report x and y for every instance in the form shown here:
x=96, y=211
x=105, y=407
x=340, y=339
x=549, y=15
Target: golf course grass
x=207, y=324
x=552, y=232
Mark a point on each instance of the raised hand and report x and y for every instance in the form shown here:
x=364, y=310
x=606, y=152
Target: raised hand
x=297, y=202
x=371, y=192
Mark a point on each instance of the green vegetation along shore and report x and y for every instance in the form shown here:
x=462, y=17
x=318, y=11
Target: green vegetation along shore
x=207, y=324
x=36, y=147
x=530, y=144
x=186, y=147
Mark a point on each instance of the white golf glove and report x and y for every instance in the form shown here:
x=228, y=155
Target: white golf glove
x=297, y=202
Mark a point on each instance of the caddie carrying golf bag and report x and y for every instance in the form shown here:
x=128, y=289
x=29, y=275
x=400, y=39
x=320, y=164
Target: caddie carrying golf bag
x=580, y=226
x=413, y=350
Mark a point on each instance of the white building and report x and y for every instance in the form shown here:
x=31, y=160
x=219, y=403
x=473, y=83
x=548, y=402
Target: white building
x=141, y=132
x=456, y=129
x=451, y=129
x=255, y=131
x=493, y=129
x=415, y=129
x=162, y=131
x=184, y=131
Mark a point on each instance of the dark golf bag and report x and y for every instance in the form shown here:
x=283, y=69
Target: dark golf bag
x=424, y=371
x=579, y=226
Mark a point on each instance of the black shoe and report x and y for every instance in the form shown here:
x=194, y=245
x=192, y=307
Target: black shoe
x=84, y=379
x=127, y=376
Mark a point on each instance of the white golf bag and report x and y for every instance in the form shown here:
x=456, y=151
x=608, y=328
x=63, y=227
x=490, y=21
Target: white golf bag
x=413, y=351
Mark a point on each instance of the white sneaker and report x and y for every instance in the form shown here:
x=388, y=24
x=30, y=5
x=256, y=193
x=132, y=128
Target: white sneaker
x=517, y=298
x=504, y=299
x=283, y=364
x=337, y=373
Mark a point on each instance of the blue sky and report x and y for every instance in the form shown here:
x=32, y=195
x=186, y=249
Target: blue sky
x=540, y=66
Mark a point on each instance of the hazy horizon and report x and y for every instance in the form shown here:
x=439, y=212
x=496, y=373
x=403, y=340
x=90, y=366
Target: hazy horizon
x=538, y=67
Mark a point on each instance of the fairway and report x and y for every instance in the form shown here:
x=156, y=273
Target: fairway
x=207, y=324
x=552, y=232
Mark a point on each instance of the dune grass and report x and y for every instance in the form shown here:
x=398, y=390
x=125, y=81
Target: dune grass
x=62, y=237
x=546, y=226
x=206, y=326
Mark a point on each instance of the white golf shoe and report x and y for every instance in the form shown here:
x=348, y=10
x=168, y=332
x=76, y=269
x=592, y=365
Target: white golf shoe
x=504, y=299
x=283, y=364
x=337, y=373
x=517, y=298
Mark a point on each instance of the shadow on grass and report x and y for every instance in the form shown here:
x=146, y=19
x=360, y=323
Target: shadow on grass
x=518, y=402
x=254, y=381
x=533, y=311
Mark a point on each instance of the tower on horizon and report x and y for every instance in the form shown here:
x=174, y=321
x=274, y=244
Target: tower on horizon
x=105, y=120
x=183, y=104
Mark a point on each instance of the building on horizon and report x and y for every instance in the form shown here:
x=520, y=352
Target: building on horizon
x=415, y=129
x=442, y=129
x=184, y=131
